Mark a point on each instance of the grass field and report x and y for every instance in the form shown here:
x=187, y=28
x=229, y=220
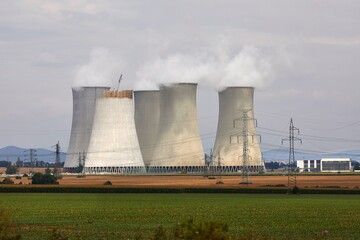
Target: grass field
x=125, y=216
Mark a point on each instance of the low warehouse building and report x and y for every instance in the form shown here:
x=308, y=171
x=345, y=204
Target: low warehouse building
x=335, y=165
x=325, y=165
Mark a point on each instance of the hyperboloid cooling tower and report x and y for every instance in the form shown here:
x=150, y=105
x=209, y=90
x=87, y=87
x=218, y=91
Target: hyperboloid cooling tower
x=147, y=112
x=114, y=146
x=84, y=99
x=236, y=113
x=179, y=145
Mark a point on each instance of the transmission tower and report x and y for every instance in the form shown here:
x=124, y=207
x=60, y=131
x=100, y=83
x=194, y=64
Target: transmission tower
x=245, y=155
x=219, y=181
x=245, y=136
x=211, y=172
x=81, y=166
x=207, y=161
x=57, y=160
x=292, y=163
x=31, y=156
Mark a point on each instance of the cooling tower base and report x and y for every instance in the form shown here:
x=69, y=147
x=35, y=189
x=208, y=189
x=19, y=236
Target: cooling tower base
x=115, y=170
x=71, y=170
x=233, y=169
x=176, y=169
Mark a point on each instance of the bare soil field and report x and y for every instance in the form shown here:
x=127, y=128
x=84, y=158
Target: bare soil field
x=23, y=170
x=188, y=181
x=203, y=182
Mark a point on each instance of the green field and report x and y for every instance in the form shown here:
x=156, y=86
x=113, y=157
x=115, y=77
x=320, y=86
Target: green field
x=125, y=216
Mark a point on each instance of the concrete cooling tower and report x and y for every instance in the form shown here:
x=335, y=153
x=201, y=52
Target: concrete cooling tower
x=234, y=102
x=179, y=145
x=84, y=99
x=114, y=146
x=147, y=112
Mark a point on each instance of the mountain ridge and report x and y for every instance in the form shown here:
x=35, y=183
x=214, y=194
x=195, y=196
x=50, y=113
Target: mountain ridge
x=12, y=153
x=281, y=154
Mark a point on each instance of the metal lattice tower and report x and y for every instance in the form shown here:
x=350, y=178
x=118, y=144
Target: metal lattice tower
x=245, y=156
x=219, y=181
x=292, y=163
x=31, y=157
x=244, y=134
x=82, y=158
x=57, y=160
x=211, y=166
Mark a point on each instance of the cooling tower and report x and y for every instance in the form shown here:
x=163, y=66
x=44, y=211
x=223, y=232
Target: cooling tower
x=179, y=147
x=147, y=121
x=84, y=99
x=114, y=146
x=234, y=102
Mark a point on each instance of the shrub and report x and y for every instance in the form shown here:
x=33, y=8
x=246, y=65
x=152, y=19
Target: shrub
x=11, y=170
x=6, y=231
x=47, y=170
x=7, y=181
x=40, y=178
x=192, y=230
x=202, y=230
x=25, y=175
x=56, y=235
x=295, y=190
x=107, y=183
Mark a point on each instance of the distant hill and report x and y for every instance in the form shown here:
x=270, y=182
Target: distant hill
x=12, y=153
x=283, y=155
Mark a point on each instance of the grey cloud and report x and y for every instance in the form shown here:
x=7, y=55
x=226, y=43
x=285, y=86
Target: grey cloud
x=313, y=47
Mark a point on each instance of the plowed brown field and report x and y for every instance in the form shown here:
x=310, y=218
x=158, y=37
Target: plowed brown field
x=350, y=181
x=199, y=181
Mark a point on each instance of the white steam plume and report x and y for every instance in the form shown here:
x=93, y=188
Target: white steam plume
x=246, y=68
x=102, y=70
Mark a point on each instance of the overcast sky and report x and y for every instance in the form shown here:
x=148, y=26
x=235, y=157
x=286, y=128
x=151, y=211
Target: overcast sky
x=303, y=57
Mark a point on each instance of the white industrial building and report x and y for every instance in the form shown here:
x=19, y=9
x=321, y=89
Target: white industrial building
x=325, y=165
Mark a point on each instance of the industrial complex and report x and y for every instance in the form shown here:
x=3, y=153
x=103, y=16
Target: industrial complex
x=158, y=131
x=325, y=165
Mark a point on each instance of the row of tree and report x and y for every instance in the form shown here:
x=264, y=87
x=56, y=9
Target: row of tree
x=38, y=178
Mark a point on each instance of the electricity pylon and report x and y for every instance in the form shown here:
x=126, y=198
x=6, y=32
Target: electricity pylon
x=31, y=153
x=292, y=163
x=245, y=136
x=57, y=160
